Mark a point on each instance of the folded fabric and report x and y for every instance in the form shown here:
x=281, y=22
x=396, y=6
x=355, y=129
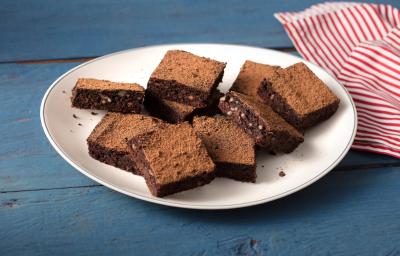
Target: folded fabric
x=359, y=44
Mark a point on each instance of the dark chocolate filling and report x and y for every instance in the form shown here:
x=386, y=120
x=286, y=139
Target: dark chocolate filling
x=115, y=158
x=123, y=101
x=252, y=124
x=239, y=172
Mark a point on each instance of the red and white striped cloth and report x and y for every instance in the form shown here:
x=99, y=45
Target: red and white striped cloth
x=360, y=45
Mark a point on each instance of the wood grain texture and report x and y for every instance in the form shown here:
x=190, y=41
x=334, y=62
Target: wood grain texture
x=44, y=29
x=346, y=213
x=28, y=162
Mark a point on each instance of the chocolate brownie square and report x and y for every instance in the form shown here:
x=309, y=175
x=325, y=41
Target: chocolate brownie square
x=231, y=149
x=267, y=128
x=250, y=77
x=172, y=159
x=299, y=96
x=106, y=95
x=108, y=141
x=186, y=78
x=175, y=112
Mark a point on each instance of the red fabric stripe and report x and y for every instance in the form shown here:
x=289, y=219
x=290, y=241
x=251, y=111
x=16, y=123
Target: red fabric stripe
x=338, y=28
x=364, y=147
x=376, y=67
x=377, y=116
x=376, y=60
x=377, y=139
x=369, y=131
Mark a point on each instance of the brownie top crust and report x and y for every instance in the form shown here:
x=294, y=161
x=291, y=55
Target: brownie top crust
x=115, y=129
x=224, y=140
x=274, y=122
x=188, y=69
x=302, y=89
x=174, y=153
x=95, y=84
x=250, y=76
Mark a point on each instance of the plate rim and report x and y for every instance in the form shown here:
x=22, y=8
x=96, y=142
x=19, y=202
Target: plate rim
x=162, y=201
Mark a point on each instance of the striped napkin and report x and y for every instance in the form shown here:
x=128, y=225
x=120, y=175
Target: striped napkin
x=360, y=45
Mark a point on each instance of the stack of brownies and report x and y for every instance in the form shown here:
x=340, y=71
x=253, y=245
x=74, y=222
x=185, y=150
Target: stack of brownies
x=185, y=142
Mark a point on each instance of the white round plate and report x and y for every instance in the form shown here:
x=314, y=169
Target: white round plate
x=325, y=145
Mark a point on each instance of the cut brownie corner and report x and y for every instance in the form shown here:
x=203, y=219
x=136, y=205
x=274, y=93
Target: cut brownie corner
x=231, y=149
x=269, y=131
x=107, y=142
x=172, y=159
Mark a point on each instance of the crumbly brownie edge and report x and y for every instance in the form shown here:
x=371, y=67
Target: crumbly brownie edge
x=239, y=172
x=172, y=90
x=320, y=115
x=163, y=111
x=115, y=158
x=157, y=190
x=279, y=141
x=122, y=101
x=279, y=105
x=182, y=185
x=211, y=110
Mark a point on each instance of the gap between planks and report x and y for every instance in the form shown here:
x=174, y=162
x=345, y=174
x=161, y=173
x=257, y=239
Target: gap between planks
x=84, y=59
x=337, y=169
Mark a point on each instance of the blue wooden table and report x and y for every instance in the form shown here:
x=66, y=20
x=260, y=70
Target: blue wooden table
x=48, y=208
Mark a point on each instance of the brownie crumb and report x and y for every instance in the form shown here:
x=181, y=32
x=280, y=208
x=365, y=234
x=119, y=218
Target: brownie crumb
x=64, y=92
x=262, y=166
x=253, y=242
x=282, y=174
x=75, y=116
x=94, y=113
x=80, y=124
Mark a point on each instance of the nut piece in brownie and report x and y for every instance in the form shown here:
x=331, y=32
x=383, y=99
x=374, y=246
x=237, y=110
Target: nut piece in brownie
x=175, y=112
x=172, y=159
x=108, y=141
x=106, y=95
x=186, y=78
x=299, y=96
x=267, y=128
x=231, y=149
x=250, y=76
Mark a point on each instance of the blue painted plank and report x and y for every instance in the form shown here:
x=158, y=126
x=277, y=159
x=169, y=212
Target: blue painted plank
x=43, y=29
x=28, y=162
x=346, y=213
